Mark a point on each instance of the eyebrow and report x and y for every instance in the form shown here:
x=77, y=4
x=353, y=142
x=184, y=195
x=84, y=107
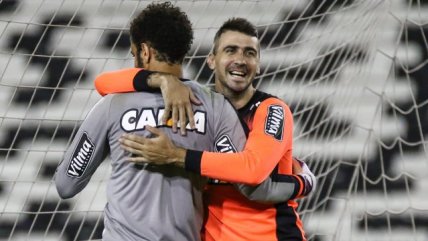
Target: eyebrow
x=236, y=46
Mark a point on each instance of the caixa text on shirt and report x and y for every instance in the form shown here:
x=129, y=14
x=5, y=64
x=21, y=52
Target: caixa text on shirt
x=81, y=156
x=135, y=120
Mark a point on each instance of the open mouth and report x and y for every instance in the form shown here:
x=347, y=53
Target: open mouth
x=237, y=73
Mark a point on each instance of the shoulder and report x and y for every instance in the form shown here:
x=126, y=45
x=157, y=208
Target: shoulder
x=274, y=101
x=112, y=98
x=197, y=87
x=121, y=100
x=274, y=114
x=267, y=100
x=205, y=92
x=105, y=100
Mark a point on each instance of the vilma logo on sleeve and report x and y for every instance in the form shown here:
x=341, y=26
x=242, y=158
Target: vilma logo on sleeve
x=224, y=145
x=81, y=156
x=275, y=121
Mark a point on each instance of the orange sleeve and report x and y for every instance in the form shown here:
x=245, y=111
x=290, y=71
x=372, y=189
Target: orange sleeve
x=118, y=81
x=262, y=151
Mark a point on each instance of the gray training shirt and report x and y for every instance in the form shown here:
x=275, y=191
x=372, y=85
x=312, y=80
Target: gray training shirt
x=147, y=202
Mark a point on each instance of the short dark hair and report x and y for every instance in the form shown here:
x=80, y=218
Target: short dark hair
x=241, y=25
x=165, y=28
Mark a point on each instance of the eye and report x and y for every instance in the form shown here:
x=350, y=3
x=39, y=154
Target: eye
x=229, y=50
x=251, y=53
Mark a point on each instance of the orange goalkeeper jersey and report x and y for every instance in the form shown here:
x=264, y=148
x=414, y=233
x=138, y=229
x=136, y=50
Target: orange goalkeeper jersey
x=231, y=216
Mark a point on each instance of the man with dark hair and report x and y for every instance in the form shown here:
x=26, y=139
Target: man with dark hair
x=234, y=24
x=148, y=202
x=268, y=151
x=171, y=44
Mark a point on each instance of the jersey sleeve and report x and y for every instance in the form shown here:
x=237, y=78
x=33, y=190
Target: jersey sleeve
x=269, y=139
x=122, y=81
x=281, y=187
x=273, y=190
x=86, y=152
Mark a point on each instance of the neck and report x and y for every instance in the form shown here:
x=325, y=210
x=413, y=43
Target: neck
x=174, y=69
x=238, y=99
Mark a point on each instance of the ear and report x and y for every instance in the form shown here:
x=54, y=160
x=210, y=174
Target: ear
x=211, y=61
x=145, y=53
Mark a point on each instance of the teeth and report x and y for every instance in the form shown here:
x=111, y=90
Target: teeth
x=237, y=73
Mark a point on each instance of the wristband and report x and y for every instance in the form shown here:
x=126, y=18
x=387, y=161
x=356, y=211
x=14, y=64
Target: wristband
x=141, y=81
x=192, y=161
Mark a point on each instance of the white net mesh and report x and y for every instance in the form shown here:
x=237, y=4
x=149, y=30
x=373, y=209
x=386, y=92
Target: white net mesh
x=353, y=71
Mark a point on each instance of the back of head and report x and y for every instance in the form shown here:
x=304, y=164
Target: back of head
x=166, y=29
x=241, y=25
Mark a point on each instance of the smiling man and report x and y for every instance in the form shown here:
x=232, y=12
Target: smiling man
x=235, y=61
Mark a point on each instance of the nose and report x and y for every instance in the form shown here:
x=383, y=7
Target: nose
x=240, y=58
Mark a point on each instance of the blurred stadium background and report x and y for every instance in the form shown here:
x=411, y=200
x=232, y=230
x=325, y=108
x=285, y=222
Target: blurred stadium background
x=355, y=73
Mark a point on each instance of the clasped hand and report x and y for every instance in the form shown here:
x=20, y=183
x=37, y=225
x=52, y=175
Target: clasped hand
x=158, y=149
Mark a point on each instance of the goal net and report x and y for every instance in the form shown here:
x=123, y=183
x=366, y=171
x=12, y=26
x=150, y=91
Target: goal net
x=354, y=73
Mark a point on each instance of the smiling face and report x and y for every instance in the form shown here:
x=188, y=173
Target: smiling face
x=235, y=62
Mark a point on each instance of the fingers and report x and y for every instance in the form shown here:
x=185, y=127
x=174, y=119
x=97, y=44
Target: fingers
x=189, y=109
x=175, y=113
x=133, y=138
x=165, y=115
x=132, y=143
x=138, y=160
x=155, y=131
x=178, y=108
x=183, y=120
x=190, y=115
x=185, y=116
x=131, y=150
x=138, y=149
x=297, y=168
x=179, y=114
